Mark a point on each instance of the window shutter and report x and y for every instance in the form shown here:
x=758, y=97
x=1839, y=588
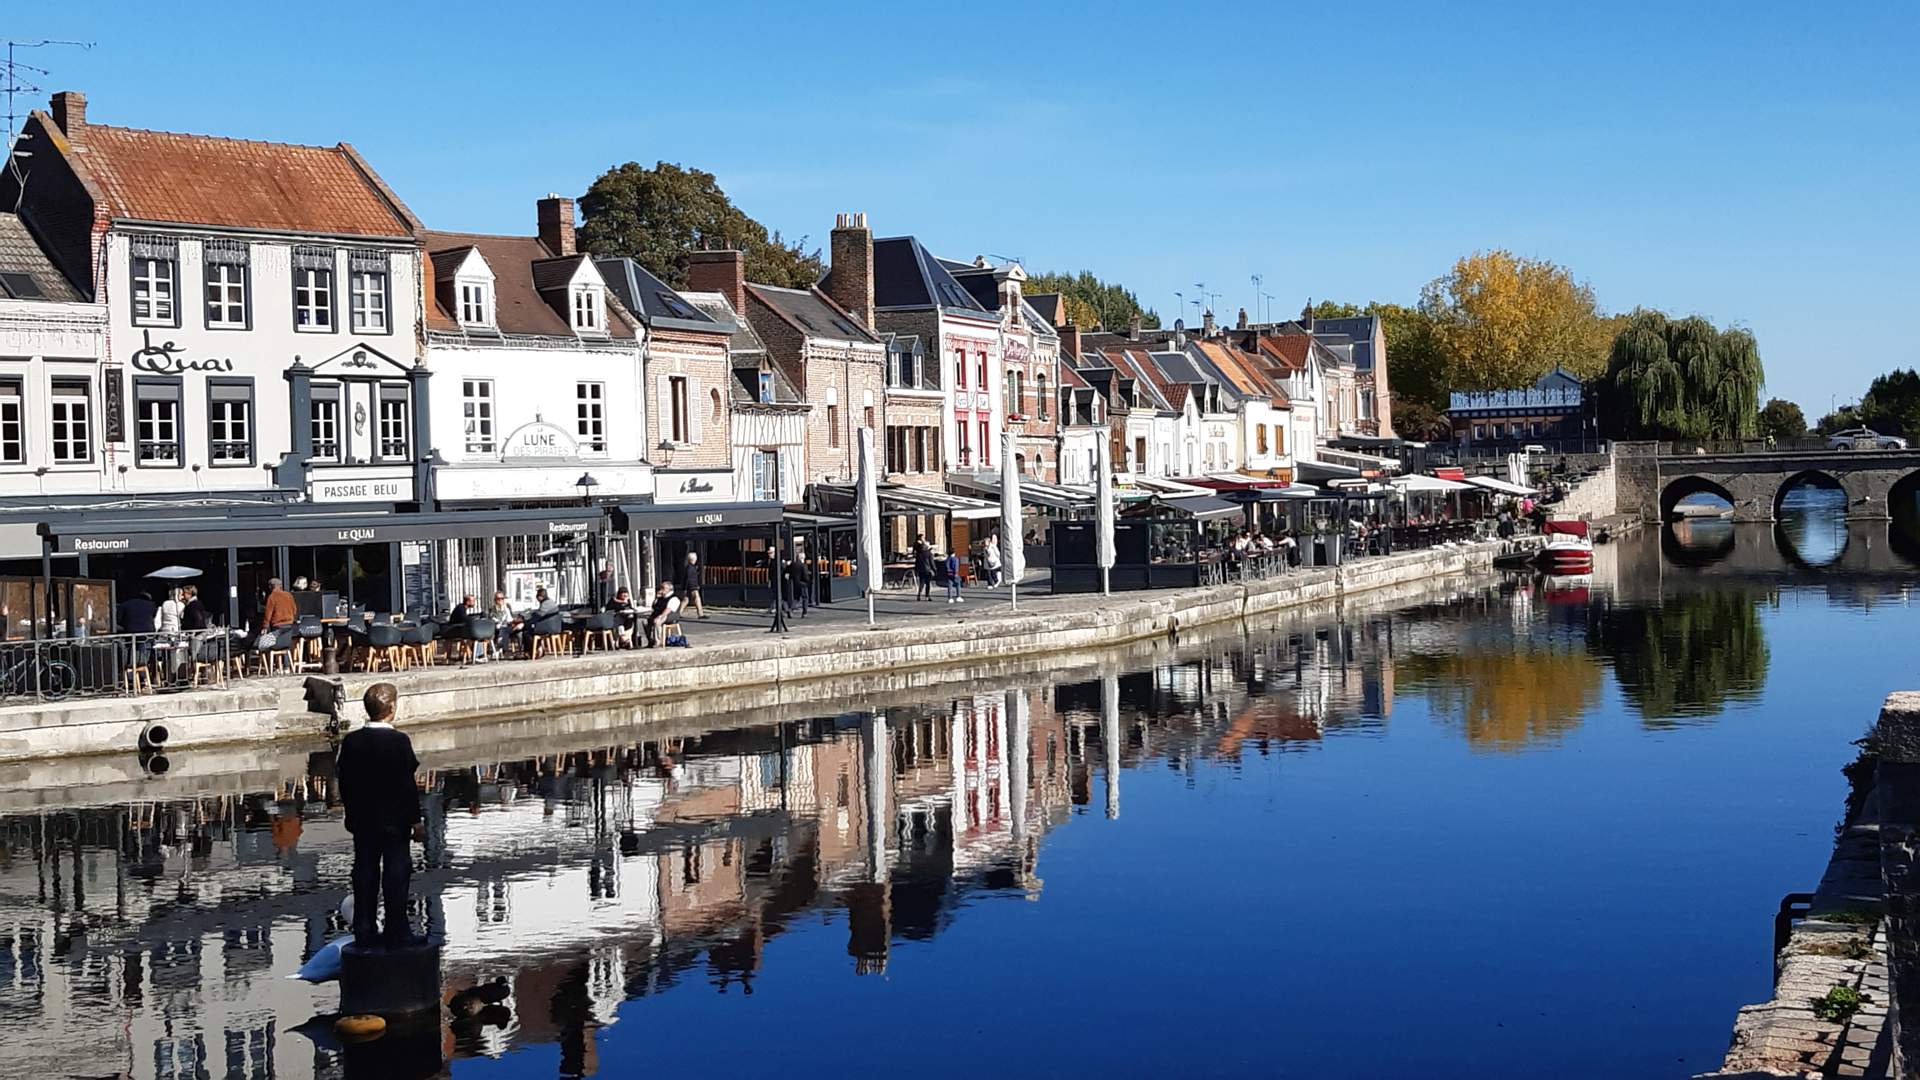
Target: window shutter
x=662, y=409
x=696, y=409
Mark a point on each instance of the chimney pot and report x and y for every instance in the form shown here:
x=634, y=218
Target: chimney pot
x=70, y=113
x=555, y=216
x=851, y=267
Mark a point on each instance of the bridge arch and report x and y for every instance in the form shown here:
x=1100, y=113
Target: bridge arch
x=1681, y=487
x=1806, y=478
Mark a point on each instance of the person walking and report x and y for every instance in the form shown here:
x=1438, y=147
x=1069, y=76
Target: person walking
x=375, y=769
x=952, y=568
x=923, y=566
x=992, y=557
x=690, y=582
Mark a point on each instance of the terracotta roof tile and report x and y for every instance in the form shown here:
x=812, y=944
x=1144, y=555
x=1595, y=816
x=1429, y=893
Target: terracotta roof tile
x=518, y=306
x=204, y=180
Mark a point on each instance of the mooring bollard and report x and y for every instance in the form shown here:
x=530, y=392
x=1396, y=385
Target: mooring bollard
x=391, y=983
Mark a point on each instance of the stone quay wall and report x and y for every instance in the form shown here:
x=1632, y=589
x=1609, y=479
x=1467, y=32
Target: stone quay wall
x=276, y=708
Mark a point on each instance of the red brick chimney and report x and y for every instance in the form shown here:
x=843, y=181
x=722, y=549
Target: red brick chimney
x=852, y=266
x=556, y=224
x=1070, y=340
x=70, y=112
x=724, y=272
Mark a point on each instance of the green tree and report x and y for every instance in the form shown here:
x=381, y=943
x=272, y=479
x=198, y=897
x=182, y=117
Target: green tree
x=658, y=215
x=1417, y=369
x=1846, y=416
x=1682, y=379
x=1782, y=419
x=1892, y=404
x=1502, y=320
x=1091, y=302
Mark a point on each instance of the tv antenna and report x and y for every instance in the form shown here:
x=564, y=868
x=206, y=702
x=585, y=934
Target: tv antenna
x=1256, y=297
x=19, y=77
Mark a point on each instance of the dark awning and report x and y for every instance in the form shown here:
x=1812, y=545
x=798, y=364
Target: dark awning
x=654, y=517
x=110, y=532
x=1204, y=507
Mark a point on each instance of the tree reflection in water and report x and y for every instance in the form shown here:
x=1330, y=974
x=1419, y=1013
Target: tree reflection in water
x=1686, y=658
x=1508, y=700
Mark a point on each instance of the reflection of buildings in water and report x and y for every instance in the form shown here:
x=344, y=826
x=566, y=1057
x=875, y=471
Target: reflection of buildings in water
x=581, y=880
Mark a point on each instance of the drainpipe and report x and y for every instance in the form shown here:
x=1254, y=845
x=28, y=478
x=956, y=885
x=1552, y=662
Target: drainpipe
x=424, y=457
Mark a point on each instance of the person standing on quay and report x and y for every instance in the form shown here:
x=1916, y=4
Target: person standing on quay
x=923, y=566
x=375, y=769
x=690, y=575
x=953, y=577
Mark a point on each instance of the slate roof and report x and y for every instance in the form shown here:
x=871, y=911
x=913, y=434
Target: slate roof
x=743, y=345
x=651, y=300
x=25, y=271
x=1051, y=307
x=1136, y=365
x=1358, y=330
x=812, y=313
x=906, y=276
x=518, y=262
x=206, y=180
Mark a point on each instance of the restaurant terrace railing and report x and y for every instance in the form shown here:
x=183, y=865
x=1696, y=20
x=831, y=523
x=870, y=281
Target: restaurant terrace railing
x=114, y=665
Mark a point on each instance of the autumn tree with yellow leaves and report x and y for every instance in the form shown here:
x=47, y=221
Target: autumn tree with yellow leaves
x=1503, y=320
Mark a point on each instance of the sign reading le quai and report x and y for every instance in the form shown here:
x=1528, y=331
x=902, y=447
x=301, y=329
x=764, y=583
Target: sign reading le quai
x=165, y=358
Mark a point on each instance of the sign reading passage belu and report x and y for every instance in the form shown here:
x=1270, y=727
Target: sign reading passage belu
x=397, y=489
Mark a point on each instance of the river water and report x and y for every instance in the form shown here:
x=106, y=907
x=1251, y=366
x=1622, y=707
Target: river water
x=1486, y=828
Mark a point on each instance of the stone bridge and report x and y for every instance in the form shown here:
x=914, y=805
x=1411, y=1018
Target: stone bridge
x=1650, y=483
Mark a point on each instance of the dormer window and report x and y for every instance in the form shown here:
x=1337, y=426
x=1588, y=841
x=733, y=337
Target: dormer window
x=476, y=302
x=589, y=310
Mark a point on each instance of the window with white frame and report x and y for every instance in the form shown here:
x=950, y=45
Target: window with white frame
x=367, y=293
x=766, y=475
x=72, y=429
x=230, y=421
x=680, y=422
x=155, y=266
x=476, y=406
x=324, y=422
x=393, y=423
x=313, y=290
x=13, y=422
x=156, y=414
x=476, y=302
x=224, y=270
x=590, y=416
x=589, y=314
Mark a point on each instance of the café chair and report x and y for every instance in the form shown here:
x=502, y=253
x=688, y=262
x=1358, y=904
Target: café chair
x=470, y=637
x=209, y=662
x=418, y=644
x=599, y=631
x=135, y=678
x=549, y=635
x=307, y=644
x=384, y=644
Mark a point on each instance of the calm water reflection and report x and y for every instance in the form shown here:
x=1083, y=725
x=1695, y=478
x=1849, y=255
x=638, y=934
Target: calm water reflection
x=1496, y=829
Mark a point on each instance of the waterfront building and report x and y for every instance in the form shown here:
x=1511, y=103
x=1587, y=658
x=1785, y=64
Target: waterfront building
x=1030, y=358
x=1553, y=409
x=767, y=426
x=828, y=355
x=262, y=345
x=1364, y=340
x=542, y=370
x=1299, y=364
x=915, y=293
x=1264, y=413
x=52, y=342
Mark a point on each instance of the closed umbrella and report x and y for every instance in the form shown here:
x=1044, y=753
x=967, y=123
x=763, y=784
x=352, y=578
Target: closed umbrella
x=1110, y=739
x=866, y=510
x=1013, y=552
x=1103, y=511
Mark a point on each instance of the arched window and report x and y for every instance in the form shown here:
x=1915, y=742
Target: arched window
x=713, y=397
x=1040, y=391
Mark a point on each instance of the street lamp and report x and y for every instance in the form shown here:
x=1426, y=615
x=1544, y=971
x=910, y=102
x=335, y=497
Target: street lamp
x=586, y=484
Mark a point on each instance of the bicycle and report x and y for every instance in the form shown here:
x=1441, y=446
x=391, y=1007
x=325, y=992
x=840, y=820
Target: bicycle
x=35, y=673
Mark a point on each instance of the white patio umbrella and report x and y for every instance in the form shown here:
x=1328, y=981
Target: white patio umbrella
x=1110, y=739
x=175, y=573
x=1103, y=511
x=866, y=511
x=1013, y=552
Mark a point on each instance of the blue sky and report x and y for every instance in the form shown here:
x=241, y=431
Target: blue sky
x=1755, y=163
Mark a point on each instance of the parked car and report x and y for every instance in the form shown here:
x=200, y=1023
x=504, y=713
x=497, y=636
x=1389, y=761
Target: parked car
x=1864, y=438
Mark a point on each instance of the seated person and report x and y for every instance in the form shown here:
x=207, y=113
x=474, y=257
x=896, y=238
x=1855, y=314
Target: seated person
x=664, y=617
x=464, y=610
x=543, y=605
x=622, y=605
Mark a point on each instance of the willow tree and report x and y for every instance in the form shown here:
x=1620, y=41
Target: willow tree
x=1682, y=379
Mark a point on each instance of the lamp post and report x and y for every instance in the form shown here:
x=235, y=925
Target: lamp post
x=586, y=484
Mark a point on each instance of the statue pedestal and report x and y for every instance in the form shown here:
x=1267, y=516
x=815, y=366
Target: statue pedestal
x=390, y=982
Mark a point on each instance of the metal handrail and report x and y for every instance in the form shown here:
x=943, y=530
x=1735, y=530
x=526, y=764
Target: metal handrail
x=111, y=665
